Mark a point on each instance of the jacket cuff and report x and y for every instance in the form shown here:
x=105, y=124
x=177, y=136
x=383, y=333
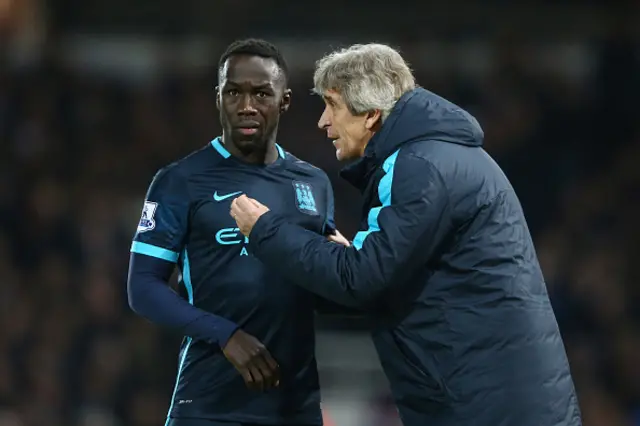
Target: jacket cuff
x=265, y=227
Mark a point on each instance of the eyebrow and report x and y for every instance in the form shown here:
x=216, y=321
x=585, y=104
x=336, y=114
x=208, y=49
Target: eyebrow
x=266, y=85
x=329, y=99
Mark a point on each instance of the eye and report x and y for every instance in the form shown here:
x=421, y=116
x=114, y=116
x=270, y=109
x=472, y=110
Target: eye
x=262, y=94
x=232, y=92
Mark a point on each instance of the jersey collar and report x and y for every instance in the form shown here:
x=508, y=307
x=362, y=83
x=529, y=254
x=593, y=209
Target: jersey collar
x=219, y=146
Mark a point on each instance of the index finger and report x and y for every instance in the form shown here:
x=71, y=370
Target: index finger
x=255, y=203
x=242, y=201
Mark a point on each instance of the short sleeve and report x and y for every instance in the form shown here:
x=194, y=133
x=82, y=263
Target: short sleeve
x=163, y=222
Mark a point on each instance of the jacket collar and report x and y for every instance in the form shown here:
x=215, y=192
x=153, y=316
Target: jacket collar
x=359, y=172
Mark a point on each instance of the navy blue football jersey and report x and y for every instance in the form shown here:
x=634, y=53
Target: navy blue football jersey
x=186, y=220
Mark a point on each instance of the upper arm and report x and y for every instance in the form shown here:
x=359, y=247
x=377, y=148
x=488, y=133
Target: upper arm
x=404, y=234
x=163, y=224
x=413, y=219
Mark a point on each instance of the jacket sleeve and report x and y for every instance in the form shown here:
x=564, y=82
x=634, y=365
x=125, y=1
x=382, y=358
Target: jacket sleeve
x=403, y=235
x=323, y=306
x=329, y=227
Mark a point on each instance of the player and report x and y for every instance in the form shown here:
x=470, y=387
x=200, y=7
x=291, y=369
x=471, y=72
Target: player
x=248, y=357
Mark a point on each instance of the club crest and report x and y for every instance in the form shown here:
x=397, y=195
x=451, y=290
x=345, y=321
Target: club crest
x=305, y=201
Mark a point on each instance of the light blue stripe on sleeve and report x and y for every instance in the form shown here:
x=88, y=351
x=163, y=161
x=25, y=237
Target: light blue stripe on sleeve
x=186, y=275
x=186, y=280
x=154, y=251
x=384, y=194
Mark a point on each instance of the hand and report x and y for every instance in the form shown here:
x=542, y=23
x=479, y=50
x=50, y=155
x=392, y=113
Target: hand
x=338, y=238
x=246, y=212
x=253, y=361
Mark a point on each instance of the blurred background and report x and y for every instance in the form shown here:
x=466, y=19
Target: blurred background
x=95, y=96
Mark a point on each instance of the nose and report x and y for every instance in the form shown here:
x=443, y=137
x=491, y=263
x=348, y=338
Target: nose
x=246, y=106
x=324, y=120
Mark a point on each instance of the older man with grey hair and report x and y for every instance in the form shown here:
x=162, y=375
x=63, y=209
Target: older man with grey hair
x=443, y=263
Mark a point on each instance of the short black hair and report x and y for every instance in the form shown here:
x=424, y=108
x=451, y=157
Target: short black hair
x=255, y=47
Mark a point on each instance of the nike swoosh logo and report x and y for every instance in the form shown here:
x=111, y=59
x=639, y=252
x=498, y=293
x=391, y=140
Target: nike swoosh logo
x=225, y=196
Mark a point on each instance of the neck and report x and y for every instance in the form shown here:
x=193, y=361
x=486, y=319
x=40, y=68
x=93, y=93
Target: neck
x=366, y=143
x=267, y=154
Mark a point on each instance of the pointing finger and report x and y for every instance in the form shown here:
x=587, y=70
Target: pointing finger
x=240, y=202
x=255, y=203
x=234, y=209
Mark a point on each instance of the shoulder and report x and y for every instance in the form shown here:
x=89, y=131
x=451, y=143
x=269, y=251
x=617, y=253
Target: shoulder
x=305, y=168
x=173, y=180
x=413, y=169
x=409, y=159
x=445, y=158
x=187, y=166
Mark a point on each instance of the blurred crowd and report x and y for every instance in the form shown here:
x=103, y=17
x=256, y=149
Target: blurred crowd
x=78, y=152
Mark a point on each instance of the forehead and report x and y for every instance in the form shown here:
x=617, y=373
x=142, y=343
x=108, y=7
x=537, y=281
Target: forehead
x=250, y=69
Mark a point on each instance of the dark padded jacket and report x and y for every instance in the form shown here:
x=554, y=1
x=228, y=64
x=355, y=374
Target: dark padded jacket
x=445, y=265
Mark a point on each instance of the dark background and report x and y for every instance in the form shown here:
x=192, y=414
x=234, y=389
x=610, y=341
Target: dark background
x=95, y=96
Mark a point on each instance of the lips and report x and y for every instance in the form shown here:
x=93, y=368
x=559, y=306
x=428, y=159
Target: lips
x=248, y=131
x=247, y=125
x=248, y=128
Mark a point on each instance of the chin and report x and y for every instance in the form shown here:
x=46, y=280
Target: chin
x=344, y=155
x=247, y=146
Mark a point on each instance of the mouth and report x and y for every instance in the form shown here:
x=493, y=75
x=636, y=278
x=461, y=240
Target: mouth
x=248, y=131
x=249, y=128
x=335, y=140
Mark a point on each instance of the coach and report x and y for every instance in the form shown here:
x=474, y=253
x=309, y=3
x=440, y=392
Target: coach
x=444, y=262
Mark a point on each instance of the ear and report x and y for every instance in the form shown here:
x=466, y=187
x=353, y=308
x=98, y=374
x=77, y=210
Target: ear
x=373, y=119
x=286, y=101
x=218, y=97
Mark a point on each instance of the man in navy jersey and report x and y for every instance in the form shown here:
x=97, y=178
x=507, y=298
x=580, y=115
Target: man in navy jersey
x=248, y=357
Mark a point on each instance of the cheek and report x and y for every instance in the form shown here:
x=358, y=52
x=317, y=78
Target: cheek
x=272, y=116
x=342, y=125
x=354, y=130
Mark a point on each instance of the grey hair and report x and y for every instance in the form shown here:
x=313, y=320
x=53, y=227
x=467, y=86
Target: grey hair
x=368, y=77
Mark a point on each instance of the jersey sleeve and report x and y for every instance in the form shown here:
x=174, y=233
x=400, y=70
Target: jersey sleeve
x=163, y=223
